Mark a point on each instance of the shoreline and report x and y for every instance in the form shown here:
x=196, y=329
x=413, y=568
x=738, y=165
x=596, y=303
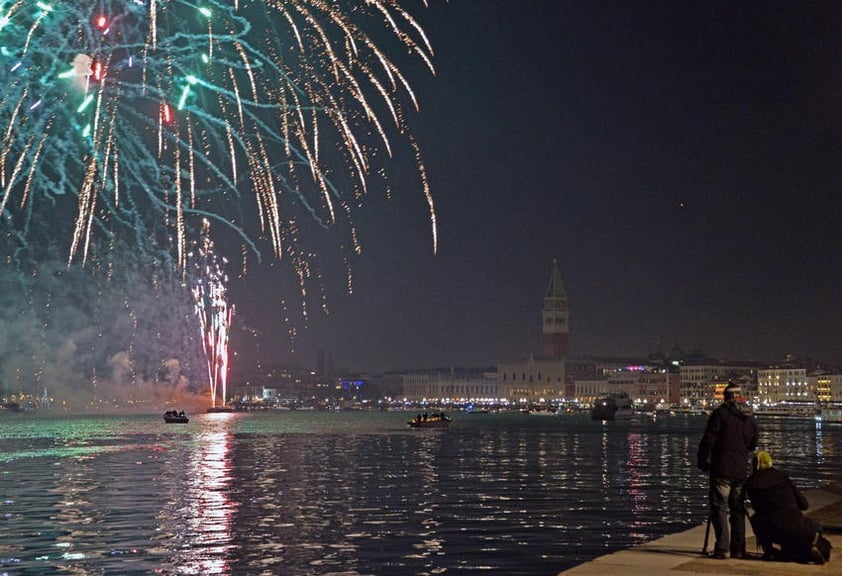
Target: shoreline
x=681, y=552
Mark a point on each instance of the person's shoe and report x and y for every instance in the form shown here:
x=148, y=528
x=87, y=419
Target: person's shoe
x=816, y=556
x=737, y=555
x=719, y=555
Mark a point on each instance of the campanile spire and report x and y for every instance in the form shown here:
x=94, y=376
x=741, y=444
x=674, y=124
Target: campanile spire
x=556, y=316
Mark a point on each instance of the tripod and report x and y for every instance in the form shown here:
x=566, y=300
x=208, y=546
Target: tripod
x=707, y=537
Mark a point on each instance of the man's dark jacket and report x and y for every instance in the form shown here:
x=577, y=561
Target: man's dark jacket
x=730, y=435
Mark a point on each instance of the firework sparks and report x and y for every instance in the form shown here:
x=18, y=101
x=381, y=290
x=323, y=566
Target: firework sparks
x=214, y=314
x=146, y=116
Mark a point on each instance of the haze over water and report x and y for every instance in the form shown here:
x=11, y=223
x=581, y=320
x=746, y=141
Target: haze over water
x=356, y=492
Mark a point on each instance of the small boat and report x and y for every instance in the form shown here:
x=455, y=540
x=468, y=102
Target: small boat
x=434, y=420
x=613, y=407
x=175, y=417
x=541, y=412
x=688, y=410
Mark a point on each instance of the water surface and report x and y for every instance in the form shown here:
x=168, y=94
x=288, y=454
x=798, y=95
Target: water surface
x=356, y=492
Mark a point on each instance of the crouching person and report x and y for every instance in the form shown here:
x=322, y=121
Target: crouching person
x=782, y=529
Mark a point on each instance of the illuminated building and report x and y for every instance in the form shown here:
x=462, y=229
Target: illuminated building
x=703, y=381
x=784, y=384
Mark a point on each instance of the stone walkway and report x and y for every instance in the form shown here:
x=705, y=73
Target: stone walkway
x=681, y=553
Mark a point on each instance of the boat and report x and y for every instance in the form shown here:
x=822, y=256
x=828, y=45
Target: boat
x=786, y=410
x=541, y=412
x=613, y=407
x=175, y=417
x=688, y=410
x=434, y=420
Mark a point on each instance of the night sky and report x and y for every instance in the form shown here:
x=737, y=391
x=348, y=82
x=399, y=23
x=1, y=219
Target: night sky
x=682, y=162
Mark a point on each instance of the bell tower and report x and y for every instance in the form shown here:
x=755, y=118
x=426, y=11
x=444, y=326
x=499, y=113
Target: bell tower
x=556, y=317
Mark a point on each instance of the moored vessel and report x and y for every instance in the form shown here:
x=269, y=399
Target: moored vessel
x=786, y=410
x=613, y=407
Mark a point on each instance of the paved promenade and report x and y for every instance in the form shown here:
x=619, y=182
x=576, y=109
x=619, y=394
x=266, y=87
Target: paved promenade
x=680, y=554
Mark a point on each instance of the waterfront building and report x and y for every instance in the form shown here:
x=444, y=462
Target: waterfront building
x=608, y=365
x=644, y=384
x=591, y=378
x=794, y=380
x=623, y=382
x=654, y=388
x=829, y=388
x=576, y=370
x=587, y=392
x=700, y=381
x=450, y=387
x=535, y=380
x=784, y=384
x=835, y=388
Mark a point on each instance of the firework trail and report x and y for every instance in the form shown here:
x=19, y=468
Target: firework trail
x=214, y=314
x=215, y=318
x=140, y=118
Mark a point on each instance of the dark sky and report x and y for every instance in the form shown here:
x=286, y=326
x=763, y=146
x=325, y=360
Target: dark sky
x=682, y=161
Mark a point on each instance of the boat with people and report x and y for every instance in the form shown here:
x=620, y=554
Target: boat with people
x=434, y=420
x=176, y=417
x=613, y=407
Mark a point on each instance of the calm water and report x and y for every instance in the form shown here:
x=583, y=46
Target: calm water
x=355, y=492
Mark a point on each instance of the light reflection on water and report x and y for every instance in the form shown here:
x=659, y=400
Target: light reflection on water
x=354, y=492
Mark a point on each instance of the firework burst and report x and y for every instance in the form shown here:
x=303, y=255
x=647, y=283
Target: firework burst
x=140, y=118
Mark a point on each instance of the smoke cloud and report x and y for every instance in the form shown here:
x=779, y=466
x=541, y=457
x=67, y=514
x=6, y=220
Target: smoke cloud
x=99, y=339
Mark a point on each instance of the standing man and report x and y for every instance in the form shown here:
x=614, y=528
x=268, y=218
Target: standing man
x=730, y=436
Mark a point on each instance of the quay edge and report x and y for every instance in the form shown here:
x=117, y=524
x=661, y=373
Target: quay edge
x=680, y=553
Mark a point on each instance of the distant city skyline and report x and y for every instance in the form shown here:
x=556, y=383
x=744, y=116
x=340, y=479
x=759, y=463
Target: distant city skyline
x=324, y=356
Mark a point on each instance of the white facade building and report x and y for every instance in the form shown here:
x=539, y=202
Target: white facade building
x=534, y=380
x=447, y=387
x=785, y=385
x=588, y=391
